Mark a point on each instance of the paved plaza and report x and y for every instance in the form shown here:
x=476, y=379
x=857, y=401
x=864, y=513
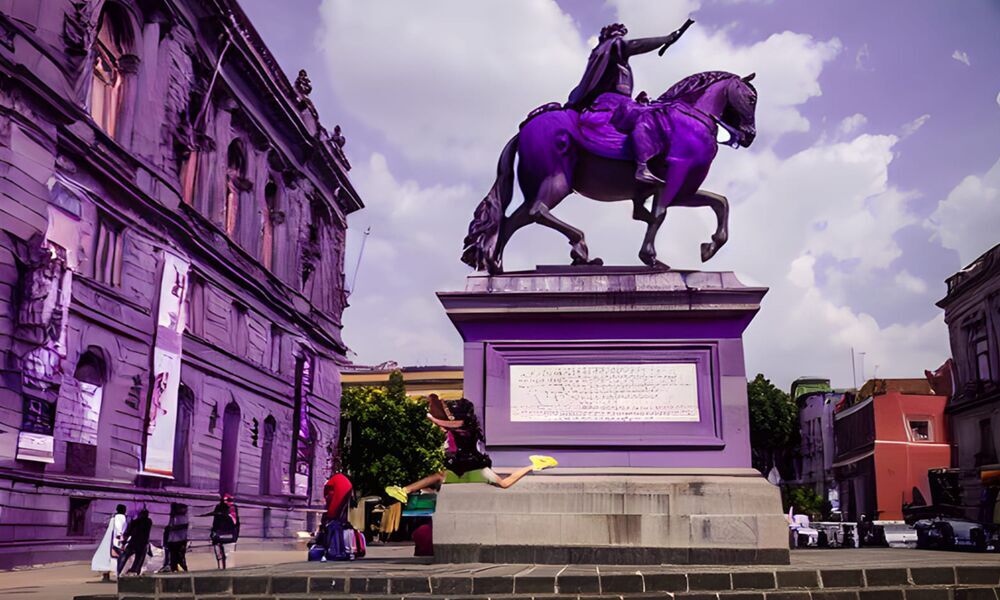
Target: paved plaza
x=65, y=581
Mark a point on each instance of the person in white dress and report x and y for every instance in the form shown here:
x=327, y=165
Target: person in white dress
x=106, y=557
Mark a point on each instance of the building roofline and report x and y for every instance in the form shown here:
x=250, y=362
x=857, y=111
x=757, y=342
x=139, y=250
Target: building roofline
x=350, y=201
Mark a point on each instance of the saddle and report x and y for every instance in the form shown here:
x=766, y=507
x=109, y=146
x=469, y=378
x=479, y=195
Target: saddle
x=604, y=127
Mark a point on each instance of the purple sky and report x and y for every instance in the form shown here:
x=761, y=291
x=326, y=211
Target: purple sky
x=875, y=175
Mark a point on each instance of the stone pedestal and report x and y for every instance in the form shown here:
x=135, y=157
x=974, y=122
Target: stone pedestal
x=634, y=380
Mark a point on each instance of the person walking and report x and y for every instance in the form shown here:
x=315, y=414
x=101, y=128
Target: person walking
x=175, y=539
x=225, y=529
x=136, y=543
x=105, y=558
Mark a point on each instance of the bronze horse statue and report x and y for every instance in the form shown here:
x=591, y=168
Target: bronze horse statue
x=563, y=150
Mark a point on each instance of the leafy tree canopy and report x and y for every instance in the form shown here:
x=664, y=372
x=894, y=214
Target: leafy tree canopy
x=774, y=422
x=391, y=441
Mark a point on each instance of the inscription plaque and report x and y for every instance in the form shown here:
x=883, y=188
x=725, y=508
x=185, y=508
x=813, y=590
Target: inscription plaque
x=604, y=393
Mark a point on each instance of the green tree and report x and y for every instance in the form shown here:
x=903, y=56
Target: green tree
x=805, y=501
x=391, y=441
x=774, y=423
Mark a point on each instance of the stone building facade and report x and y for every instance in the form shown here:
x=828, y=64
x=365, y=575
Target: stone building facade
x=172, y=226
x=972, y=312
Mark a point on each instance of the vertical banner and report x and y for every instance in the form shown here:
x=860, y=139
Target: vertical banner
x=42, y=318
x=161, y=418
x=302, y=442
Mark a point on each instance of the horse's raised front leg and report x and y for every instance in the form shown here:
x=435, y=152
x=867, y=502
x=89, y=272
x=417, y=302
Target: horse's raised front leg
x=720, y=206
x=553, y=191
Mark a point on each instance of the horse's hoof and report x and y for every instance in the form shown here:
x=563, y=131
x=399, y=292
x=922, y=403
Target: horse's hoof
x=708, y=250
x=650, y=260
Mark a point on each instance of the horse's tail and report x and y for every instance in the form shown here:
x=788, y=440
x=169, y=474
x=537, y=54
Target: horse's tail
x=484, y=230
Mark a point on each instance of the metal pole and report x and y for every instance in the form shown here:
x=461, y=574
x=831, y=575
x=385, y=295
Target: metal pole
x=357, y=266
x=854, y=369
x=211, y=84
x=862, y=355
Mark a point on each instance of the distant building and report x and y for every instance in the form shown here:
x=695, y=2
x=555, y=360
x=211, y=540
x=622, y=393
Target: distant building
x=816, y=401
x=443, y=380
x=886, y=441
x=172, y=224
x=972, y=312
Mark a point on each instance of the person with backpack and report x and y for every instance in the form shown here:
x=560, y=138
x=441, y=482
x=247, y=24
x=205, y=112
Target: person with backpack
x=225, y=529
x=175, y=539
x=105, y=558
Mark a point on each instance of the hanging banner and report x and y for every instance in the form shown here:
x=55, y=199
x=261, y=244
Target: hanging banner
x=161, y=417
x=42, y=318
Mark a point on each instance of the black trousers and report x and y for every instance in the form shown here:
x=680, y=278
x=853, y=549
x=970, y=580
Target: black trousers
x=177, y=551
x=136, y=550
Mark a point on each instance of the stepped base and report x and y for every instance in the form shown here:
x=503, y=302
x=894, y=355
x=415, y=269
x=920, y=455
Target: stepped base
x=614, y=519
x=876, y=574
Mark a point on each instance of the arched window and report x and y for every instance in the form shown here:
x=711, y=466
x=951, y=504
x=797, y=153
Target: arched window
x=229, y=467
x=266, y=456
x=267, y=225
x=235, y=176
x=107, y=79
x=81, y=429
x=182, y=436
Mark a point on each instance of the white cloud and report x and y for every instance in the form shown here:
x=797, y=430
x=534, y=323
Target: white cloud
x=962, y=57
x=914, y=125
x=458, y=78
x=787, y=64
x=852, y=124
x=966, y=221
x=447, y=82
x=412, y=251
x=909, y=282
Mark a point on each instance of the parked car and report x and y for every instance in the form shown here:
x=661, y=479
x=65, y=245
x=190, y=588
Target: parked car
x=898, y=534
x=952, y=534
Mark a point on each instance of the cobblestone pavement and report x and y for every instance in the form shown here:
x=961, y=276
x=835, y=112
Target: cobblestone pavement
x=64, y=581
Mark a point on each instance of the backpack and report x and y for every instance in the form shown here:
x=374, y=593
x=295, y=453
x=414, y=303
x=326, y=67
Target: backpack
x=333, y=540
x=362, y=547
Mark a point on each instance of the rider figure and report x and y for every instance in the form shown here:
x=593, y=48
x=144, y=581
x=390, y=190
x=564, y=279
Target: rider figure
x=608, y=71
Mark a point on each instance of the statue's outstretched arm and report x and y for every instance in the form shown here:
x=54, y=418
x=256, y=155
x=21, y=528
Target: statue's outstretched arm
x=644, y=45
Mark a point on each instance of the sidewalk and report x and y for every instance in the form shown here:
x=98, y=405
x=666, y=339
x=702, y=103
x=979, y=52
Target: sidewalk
x=64, y=581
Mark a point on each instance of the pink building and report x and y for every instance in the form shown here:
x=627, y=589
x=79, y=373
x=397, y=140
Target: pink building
x=886, y=441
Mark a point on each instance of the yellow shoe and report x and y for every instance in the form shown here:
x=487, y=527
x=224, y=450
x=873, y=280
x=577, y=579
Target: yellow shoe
x=396, y=493
x=540, y=462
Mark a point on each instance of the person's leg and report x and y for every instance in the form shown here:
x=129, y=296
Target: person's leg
x=400, y=493
x=644, y=142
x=140, y=558
x=182, y=556
x=426, y=482
x=123, y=559
x=513, y=478
x=538, y=463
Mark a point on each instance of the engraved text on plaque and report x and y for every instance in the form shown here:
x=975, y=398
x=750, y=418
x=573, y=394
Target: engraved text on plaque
x=604, y=393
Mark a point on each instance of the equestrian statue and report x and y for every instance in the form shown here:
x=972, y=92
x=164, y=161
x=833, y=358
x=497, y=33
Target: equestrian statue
x=607, y=146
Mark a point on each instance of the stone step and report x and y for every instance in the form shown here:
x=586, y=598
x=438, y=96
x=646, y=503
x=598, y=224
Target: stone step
x=896, y=593
x=341, y=581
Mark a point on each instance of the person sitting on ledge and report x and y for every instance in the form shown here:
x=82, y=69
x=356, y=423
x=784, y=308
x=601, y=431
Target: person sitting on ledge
x=464, y=461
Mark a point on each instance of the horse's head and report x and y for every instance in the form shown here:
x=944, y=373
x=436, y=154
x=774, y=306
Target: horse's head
x=739, y=114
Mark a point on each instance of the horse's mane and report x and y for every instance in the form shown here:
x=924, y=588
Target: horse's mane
x=694, y=84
